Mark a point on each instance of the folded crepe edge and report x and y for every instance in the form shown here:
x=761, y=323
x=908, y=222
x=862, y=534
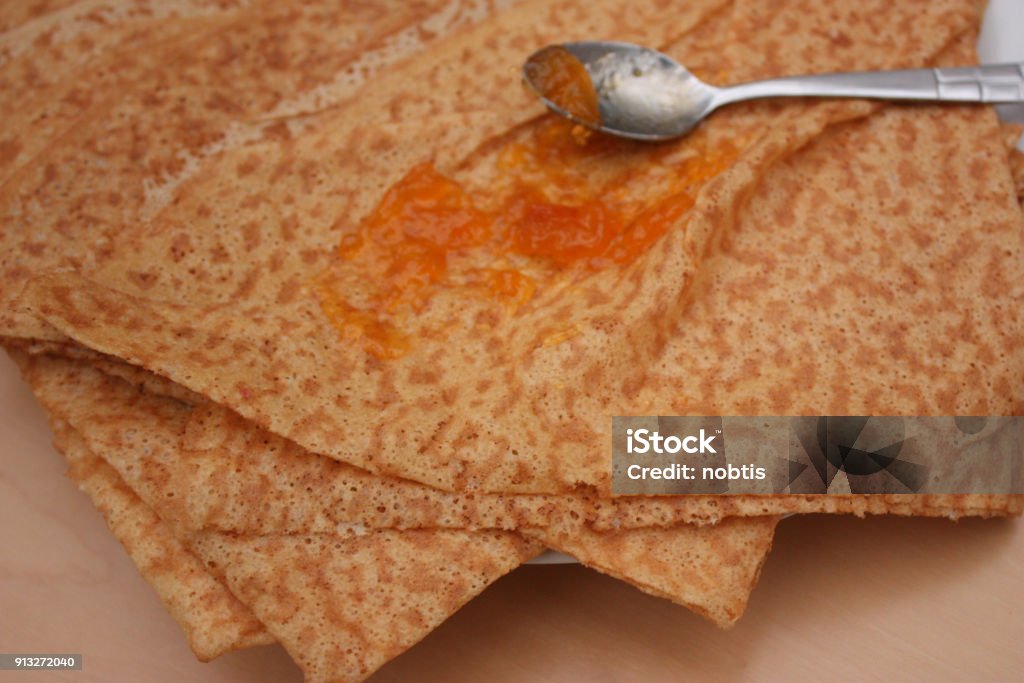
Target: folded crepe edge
x=710, y=570
x=601, y=515
x=342, y=607
x=212, y=619
x=211, y=599
x=715, y=562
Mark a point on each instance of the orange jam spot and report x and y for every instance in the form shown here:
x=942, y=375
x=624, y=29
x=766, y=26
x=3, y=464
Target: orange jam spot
x=508, y=286
x=408, y=237
x=562, y=79
x=428, y=208
x=561, y=233
x=557, y=209
x=379, y=338
x=646, y=228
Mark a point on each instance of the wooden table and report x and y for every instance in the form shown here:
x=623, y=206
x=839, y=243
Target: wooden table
x=841, y=599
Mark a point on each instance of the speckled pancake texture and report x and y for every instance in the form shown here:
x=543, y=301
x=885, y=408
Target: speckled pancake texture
x=162, y=451
x=498, y=411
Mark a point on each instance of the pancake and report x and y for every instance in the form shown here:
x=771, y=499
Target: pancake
x=341, y=603
x=169, y=454
x=213, y=620
x=241, y=85
x=349, y=406
x=800, y=259
x=244, y=480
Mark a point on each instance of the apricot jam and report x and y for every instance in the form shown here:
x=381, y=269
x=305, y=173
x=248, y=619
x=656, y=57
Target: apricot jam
x=556, y=209
x=562, y=79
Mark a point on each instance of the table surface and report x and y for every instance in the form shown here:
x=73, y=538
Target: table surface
x=840, y=599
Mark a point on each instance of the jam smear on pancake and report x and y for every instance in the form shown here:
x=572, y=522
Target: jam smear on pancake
x=557, y=210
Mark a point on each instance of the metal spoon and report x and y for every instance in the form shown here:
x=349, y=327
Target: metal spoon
x=646, y=95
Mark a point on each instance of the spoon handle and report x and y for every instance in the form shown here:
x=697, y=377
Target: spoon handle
x=997, y=83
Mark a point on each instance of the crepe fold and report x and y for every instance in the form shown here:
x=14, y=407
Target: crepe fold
x=213, y=619
x=242, y=479
x=172, y=460
x=342, y=607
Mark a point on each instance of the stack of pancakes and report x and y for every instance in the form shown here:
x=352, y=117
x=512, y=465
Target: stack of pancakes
x=176, y=176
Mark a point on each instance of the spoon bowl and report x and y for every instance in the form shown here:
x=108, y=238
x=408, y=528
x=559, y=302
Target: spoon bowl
x=642, y=93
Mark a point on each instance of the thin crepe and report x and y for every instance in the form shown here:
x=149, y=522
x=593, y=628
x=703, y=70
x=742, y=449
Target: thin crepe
x=184, y=248
x=342, y=607
x=715, y=560
x=244, y=480
x=259, y=488
x=380, y=621
x=213, y=620
x=245, y=87
x=280, y=364
x=341, y=604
